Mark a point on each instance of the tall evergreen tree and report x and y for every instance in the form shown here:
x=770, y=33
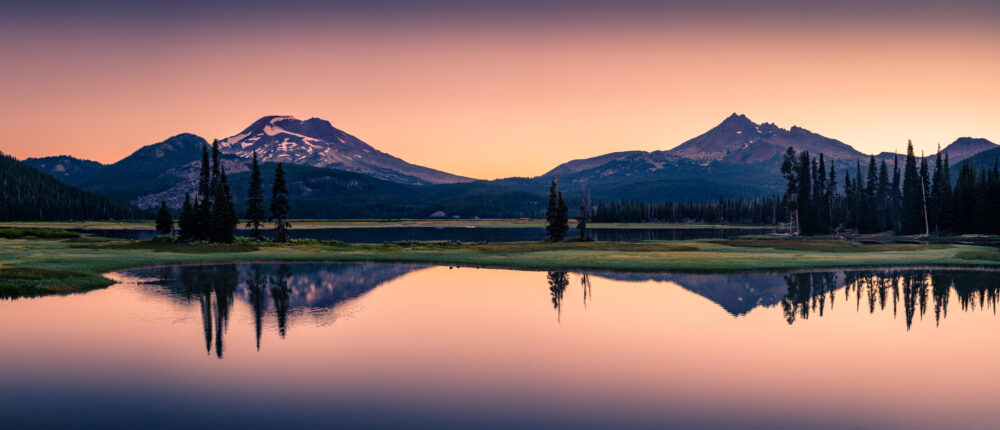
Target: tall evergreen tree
x=255, y=213
x=216, y=167
x=584, y=217
x=925, y=187
x=911, y=215
x=873, y=206
x=164, y=221
x=187, y=224
x=934, y=198
x=807, y=220
x=882, y=198
x=819, y=202
x=556, y=215
x=896, y=197
x=224, y=219
x=279, y=205
x=850, y=202
x=203, y=205
x=790, y=171
x=831, y=200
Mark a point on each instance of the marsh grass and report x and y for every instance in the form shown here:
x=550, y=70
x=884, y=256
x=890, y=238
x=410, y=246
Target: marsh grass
x=76, y=264
x=828, y=245
x=36, y=232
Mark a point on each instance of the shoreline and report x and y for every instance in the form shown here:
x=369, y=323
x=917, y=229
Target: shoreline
x=35, y=267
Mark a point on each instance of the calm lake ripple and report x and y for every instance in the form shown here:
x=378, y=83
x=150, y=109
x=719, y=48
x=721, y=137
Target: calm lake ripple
x=377, y=345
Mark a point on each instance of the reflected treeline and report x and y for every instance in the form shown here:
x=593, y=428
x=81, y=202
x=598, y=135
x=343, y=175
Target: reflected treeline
x=558, y=281
x=279, y=288
x=889, y=290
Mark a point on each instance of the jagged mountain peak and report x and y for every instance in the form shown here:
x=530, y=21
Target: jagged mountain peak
x=739, y=140
x=316, y=142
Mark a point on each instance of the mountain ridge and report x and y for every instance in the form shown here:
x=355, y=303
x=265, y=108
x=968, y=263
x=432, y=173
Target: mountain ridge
x=315, y=142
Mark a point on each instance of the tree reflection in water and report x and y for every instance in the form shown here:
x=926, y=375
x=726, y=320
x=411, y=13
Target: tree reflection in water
x=807, y=291
x=312, y=288
x=558, y=281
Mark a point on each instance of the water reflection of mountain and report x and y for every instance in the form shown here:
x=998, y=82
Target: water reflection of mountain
x=286, y=290
x=907, y=292
x=736, y=293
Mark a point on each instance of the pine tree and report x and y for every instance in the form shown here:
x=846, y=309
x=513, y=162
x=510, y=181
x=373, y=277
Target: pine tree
x=557, y=215
x=872, y=204
x=925, y=187
x=203, y=205
x=280, y=206
x=255, y=201
x=807, y=219
x=581, y=223
x=895, y=199
x=947, y=219
x=831, y=200
x=882, y=198
x=224, y=220
x=934, y=199
x=910, y=217
x=820, y=210
x=790, y=171
x=164, y=221
x=850, y=202
x=187, y=223
x=216, y=166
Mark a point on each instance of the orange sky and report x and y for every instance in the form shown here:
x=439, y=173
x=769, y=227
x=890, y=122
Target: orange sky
x=492, y=99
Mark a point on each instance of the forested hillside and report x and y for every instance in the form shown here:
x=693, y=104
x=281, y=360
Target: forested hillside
x=28, y=194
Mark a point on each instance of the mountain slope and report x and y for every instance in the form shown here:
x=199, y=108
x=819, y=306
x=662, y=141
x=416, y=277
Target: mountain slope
x=737, y=158
x=316, y=143
x=965, y=147
x=28, y=194
x=68, y=169
x=147, y=170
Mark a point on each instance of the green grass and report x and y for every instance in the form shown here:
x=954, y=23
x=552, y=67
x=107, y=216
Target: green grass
x=37, y=232
x=828, y=245
x=309, y=224
x=34, y=267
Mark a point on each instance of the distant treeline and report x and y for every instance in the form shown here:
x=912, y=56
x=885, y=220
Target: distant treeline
x=27, y=194
x=922, y=201
x=766, y=210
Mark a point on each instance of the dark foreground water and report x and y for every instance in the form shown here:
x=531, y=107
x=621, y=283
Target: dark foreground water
x=462, y=234
x=364, y=345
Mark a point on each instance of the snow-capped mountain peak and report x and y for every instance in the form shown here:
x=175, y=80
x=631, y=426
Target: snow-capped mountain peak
x=316, y=142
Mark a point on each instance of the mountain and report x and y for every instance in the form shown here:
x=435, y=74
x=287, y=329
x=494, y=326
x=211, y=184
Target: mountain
x=167, y=170
x=739, y=140
x=737, y=158
x=147, y=170
x=28, y=194
x=966, y=147
x=316, y=143
x=68, y=169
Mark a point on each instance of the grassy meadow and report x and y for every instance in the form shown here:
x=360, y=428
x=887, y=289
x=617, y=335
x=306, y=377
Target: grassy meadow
x=308, y=224
x=57, y=263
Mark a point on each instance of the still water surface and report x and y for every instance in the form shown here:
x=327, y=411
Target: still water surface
x=392, y=345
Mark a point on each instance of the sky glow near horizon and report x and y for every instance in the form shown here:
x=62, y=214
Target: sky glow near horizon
x=486, y=90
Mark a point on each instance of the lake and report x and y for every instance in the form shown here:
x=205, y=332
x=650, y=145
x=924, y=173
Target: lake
x=381, y=345
x=464, y=234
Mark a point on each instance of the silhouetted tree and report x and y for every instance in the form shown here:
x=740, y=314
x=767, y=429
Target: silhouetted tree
x=584, y=215
x=164, y=221
x=255, y=213
x=279, y=205
x=557, y=215
x=187, y=223
x=910, y=218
